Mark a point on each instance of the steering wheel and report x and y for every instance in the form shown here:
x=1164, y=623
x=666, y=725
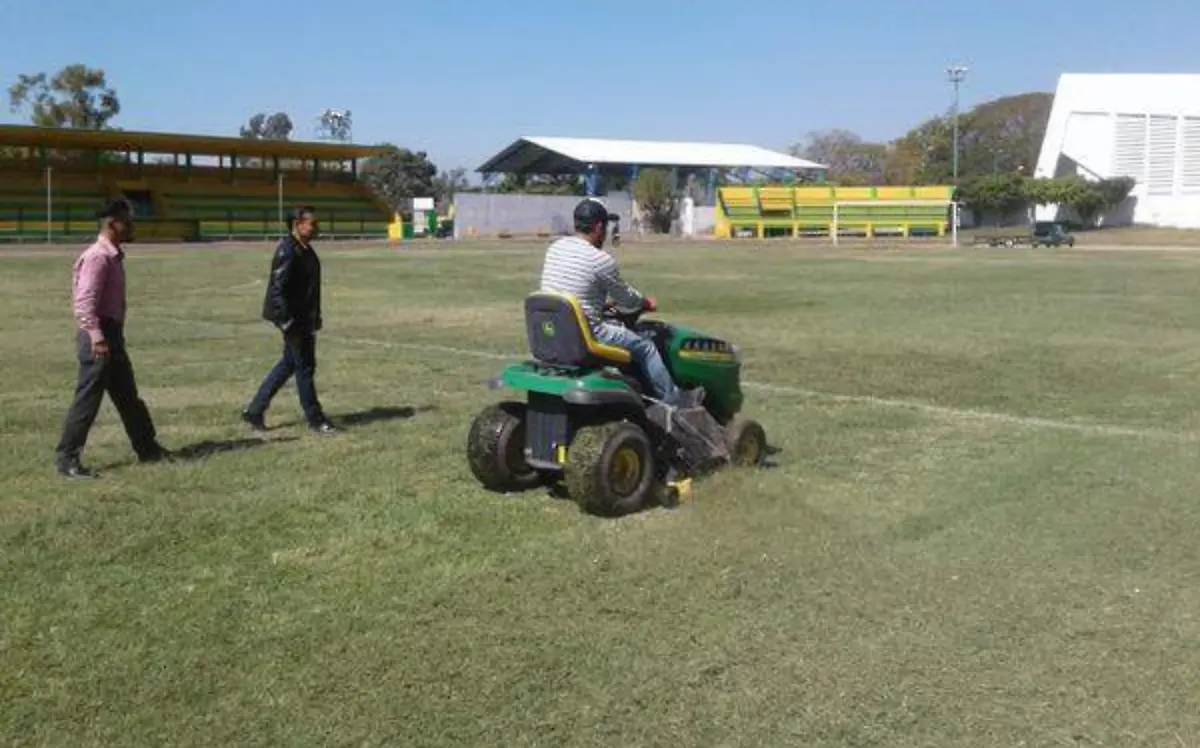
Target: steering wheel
x=627, y=317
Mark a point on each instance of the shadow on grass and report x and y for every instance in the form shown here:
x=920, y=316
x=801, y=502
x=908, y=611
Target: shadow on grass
x=367, y=417
x=374, y=415
x=208, y=448
x=201, y=450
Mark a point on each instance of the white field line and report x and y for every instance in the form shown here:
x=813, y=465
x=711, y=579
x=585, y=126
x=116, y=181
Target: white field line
x=1034, y=422
x=1096, y=429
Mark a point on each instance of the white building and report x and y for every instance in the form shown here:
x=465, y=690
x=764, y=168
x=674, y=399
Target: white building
x=1141, y=126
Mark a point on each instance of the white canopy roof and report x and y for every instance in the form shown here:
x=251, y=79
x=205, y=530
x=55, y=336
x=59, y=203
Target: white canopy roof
x=543, y=155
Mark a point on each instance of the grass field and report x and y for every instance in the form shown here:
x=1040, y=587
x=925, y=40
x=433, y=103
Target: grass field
x=982, y=529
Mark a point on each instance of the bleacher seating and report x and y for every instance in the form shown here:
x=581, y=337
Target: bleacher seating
x=223, y=210
x=772, y=210
x=178, y=203
x=23, y=205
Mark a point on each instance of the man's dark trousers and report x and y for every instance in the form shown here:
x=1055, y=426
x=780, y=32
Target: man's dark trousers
x=299, y=358
x=112, y=374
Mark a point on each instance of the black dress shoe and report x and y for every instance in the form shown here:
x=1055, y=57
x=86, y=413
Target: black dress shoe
x=74, y=471
x=158, y=454
x=323, y=427
x=255, y=420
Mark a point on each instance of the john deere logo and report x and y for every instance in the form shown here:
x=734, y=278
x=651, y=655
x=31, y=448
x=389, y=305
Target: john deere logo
x=548, y=329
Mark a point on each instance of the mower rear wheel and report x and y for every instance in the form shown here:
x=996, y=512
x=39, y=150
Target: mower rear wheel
x=610, y=469
x=496, y=449
x=746, y=441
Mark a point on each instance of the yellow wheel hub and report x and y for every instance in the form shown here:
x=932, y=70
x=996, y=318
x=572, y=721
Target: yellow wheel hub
x=626, y=470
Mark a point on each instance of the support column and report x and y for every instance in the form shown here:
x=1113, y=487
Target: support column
x=592, y=180
x=635, y=213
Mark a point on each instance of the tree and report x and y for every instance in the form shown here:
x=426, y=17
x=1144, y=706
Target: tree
x=277, y=126
x=77, y=97
x=923, y=155
x=1115, y=190
x=1087, y=199
x=1051, y=191
x=1087, y=202
x=449, y=183
x=995, y=195
x=1003, y=135
x=652, y=190
x=541, y=184
x=399, y=175
x=851, y=160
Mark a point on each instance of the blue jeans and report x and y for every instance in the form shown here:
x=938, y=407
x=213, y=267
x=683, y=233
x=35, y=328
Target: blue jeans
x=300, y=359
x=645, y=355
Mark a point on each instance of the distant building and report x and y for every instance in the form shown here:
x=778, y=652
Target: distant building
x=591, y=158
x=1142, y=126
x=700, y=167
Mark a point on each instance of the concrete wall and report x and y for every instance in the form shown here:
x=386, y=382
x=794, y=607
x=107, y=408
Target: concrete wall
x=1142, y=126
x=480, y=214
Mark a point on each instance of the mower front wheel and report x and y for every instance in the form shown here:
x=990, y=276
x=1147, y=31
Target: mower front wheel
x=610, y=469
x=496, y=449
x=746, y=441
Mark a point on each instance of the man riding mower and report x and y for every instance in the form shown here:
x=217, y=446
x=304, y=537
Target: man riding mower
x=616, y=406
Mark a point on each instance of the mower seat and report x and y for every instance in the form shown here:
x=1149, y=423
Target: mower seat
x=559, y=334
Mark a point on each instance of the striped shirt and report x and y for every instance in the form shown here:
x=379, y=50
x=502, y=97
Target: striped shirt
x=575, y=268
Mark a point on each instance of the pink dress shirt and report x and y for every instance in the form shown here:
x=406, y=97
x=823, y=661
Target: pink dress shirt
x=99, y=287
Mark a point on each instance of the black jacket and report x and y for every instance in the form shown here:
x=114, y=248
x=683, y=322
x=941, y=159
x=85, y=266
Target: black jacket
x=294, y=287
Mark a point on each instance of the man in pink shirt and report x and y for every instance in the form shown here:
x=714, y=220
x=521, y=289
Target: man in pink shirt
x=104, y=365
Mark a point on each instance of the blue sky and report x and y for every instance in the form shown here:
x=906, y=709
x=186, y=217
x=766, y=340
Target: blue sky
x=463, y=78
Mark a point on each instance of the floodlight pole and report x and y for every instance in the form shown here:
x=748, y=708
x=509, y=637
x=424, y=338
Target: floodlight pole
x=279, y=181
x=956, y=75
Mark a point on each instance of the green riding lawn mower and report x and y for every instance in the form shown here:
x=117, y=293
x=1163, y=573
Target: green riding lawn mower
x=587, y=424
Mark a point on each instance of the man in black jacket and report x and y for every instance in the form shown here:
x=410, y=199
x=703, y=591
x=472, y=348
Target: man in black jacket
x=293, y=304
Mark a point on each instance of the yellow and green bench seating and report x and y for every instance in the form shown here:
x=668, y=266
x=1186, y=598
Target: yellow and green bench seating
x=203, y=206
x=72, y=206
x=768, y=210
x=226, y=211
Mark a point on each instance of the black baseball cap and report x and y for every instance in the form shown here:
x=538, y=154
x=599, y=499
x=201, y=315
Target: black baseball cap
x=588, y=213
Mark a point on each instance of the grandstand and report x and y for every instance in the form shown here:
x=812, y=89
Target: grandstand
x=183, y=187
x=813, y=210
